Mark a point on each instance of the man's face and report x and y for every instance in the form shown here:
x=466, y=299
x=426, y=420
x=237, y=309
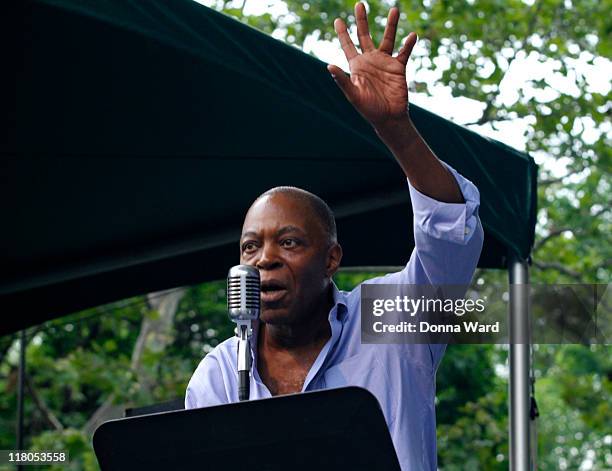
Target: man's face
x=283, y=238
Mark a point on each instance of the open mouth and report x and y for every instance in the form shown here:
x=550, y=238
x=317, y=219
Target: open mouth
x=272, y=291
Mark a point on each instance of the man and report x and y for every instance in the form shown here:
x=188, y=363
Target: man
x=309, y=333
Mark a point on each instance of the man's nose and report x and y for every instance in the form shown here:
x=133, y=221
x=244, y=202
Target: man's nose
x=268, y=258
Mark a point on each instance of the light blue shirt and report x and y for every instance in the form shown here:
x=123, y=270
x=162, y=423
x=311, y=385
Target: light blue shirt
x=448, y=241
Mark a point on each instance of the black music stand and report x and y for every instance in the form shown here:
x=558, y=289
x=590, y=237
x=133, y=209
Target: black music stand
x=333, y=429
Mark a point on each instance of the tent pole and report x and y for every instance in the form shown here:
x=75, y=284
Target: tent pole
x=20, y=391
x=519, y=365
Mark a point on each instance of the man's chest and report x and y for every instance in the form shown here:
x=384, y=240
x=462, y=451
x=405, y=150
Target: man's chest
x=285, y=373
x=287, y=381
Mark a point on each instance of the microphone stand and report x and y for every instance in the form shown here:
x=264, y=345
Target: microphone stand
x=244, y=332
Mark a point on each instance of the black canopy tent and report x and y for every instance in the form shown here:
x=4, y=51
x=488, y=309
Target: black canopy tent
x=146, y=128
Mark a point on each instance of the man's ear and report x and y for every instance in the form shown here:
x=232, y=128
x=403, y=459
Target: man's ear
x=334, y=256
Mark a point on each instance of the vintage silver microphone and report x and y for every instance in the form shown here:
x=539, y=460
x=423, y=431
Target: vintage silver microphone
x=243, y=296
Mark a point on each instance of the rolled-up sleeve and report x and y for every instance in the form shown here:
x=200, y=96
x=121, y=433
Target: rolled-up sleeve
x=454, y=222
x=448, y=237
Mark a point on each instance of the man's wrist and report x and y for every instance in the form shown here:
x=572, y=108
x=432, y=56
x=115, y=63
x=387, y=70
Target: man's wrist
x=396, y=132
x=393, y=125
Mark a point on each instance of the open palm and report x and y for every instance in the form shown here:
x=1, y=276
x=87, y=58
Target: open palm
x=377, y=85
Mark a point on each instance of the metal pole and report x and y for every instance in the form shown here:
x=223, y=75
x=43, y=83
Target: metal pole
x=20, y=391
x=519, y=365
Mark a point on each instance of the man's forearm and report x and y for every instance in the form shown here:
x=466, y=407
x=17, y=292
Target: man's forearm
x=425, y=172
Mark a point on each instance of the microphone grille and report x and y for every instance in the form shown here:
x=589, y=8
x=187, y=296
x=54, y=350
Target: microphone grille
x=243, y=292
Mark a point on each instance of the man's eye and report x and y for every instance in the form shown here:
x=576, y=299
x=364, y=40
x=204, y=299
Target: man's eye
x=289, y=243
x=248, y=247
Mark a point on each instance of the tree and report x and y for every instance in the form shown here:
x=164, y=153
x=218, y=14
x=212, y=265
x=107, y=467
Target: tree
x=77, y=363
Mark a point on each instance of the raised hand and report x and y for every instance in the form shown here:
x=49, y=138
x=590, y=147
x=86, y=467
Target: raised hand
x=377, y=85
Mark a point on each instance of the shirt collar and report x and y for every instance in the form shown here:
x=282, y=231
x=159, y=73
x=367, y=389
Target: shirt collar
x=340, y=306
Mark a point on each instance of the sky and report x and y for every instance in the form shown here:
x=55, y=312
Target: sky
x=463, y=110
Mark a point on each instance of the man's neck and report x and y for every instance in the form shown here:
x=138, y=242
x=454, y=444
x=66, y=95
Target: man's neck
x=313, y=332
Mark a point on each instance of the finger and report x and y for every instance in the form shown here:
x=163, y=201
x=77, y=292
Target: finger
x=345, y=40
x=363, y=32
x=389, y=37
x=344, y=82
x=406, y=49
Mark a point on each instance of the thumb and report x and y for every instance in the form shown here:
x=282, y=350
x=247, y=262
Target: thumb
x=344, y=82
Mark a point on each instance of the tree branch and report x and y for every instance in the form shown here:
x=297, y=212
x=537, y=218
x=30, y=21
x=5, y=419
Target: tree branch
x=604, y=209
x=551, y=235
x=486, y=114
x=103, y=413
x=557, y=232
x=47, y=414
x=154, y=335
x=534, y=17
x=489, y=114
x=559, y=267
x=552, y=181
